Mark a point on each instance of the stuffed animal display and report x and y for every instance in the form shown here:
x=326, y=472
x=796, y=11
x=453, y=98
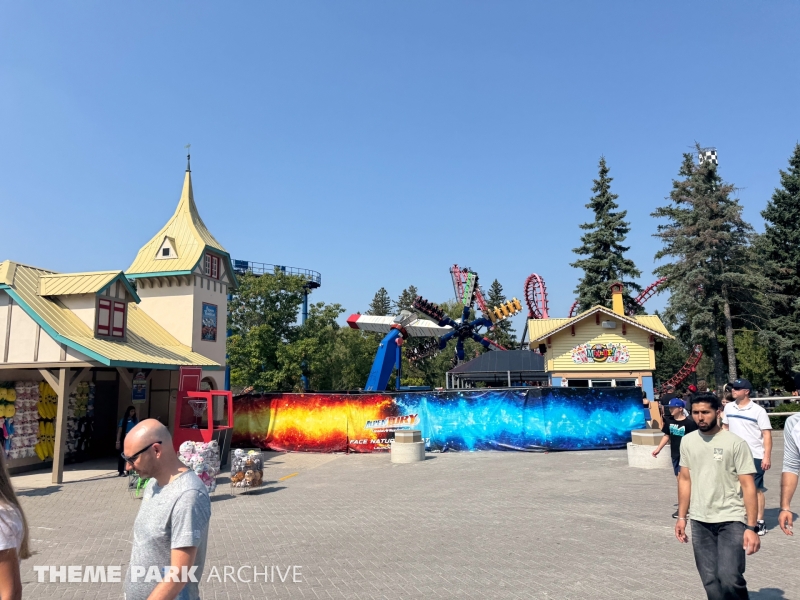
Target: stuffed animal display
x=26, y=433
x=203, y=459
x=80, y=408
x=247, y=469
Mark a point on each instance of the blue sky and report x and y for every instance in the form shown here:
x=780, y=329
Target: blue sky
x=380, y=142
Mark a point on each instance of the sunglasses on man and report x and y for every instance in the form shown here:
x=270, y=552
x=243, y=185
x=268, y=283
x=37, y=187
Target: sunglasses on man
x=133, y=457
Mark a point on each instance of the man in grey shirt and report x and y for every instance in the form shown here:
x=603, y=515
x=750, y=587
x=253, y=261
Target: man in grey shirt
x=171, y=529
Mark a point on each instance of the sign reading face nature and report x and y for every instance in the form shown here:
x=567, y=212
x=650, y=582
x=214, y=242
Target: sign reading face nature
x=600, y=353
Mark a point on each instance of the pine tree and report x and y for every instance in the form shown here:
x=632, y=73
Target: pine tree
x=712, y=279
x=405, y=300
x=381, y=304
x=602, y=245
x=780, y=253
x=503, y=332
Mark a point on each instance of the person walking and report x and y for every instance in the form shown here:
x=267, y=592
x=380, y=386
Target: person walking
x=126, y=423
x=676, y=426
x=791, y=469
x=170, y=533
x=14, y=536
x=749, y=421
x=716, y=487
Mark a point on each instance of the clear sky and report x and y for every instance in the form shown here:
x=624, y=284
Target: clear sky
x=380, y=142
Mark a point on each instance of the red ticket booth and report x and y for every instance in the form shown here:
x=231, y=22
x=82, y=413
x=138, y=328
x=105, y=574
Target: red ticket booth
x=202, y=416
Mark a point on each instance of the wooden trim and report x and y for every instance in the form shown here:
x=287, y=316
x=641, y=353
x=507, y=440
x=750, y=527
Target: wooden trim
x=49, y=378
x=8, y=329
x=36, y=343
x=61, y=427
x=76, y=380
x=126, y=376
x=50, y=365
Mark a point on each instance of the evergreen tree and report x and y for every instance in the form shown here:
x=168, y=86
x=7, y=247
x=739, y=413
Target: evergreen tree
x=381, y=304
x=503, y=332
x=605, y=261
x=712, y=279
x=780, y=253
x=406, y=299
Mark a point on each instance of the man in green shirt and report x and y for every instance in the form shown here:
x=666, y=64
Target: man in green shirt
x=717, y=478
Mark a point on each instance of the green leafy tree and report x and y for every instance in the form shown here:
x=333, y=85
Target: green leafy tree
x=753, y=359
x=780, y=253
x=605, y=261
x=381, y=304
x=332, y=357
x=263, y=318
x=503, y=332
x=712, y=278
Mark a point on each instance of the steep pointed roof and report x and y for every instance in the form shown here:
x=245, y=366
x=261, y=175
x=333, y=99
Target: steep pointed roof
x=189, y=236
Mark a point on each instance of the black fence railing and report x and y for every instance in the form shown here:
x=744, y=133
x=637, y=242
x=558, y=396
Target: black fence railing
x=245, y=266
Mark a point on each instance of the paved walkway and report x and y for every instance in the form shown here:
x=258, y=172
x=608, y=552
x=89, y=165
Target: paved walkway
x=572, y=525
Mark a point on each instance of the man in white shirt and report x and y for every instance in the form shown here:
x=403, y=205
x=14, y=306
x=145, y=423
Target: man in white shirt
x=791, y=469
x=749, y=421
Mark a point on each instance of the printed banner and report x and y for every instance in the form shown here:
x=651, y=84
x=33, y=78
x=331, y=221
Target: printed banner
x=536, y=419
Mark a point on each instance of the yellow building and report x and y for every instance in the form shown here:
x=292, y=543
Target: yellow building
x=120, y=330
x=600, y=347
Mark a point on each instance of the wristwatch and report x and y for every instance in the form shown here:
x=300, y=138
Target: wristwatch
x=750, y=527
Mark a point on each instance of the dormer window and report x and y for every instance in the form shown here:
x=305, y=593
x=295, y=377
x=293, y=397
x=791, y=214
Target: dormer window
x=112, y=317
x=167, y=249
x=211, y=266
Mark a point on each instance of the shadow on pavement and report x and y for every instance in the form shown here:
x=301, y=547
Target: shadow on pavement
x=767, y=594
x=45, y=491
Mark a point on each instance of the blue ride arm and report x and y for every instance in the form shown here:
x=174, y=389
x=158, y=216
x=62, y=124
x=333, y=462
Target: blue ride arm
x=383, y=364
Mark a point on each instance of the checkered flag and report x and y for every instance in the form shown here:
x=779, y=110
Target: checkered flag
x=708, y=154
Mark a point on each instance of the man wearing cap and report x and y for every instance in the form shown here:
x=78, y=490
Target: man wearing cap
x=676, y=425
x=749, y=421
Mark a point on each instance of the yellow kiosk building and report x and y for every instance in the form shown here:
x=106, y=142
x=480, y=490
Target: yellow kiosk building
x=600, y=347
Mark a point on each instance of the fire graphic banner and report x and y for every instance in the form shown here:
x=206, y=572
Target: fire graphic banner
x=536, y=419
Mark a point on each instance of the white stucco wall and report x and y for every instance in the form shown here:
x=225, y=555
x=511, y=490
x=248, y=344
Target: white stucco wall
x=205, y=292
x=171, y=307
x=49, y=349
x=83, y=305
x=22, y=340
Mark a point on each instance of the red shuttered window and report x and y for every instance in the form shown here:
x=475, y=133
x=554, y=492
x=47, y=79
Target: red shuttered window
x=104, y=317
x=118, y=323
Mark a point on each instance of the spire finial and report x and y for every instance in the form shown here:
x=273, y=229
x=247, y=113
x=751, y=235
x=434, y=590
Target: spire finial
x=188, y=158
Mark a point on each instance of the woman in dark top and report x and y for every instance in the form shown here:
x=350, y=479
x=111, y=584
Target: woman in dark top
x=126, y=423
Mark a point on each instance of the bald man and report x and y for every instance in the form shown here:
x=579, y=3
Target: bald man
x=171, y=529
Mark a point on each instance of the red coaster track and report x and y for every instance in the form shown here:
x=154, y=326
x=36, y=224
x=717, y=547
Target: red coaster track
x=536, y=297
x=689, y=367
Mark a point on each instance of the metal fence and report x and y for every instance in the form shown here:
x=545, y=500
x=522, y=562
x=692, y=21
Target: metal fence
x=255, y=268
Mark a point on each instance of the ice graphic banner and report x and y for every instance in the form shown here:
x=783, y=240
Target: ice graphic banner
x=530, y=420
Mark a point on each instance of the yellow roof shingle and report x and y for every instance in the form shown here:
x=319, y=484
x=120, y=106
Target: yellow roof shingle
x=186, y=231
x=64, y=284
x=147, y=342
x=539, y=329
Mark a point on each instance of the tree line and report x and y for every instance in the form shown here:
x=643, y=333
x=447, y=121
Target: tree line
x=731, y=290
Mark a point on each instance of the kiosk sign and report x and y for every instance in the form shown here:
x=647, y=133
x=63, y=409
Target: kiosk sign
x=209, y=331
x=139, y=388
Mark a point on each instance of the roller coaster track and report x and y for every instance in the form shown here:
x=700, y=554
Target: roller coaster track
x=689, y=367
x=647, y=293
x=536, y=297
x=640, y=300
